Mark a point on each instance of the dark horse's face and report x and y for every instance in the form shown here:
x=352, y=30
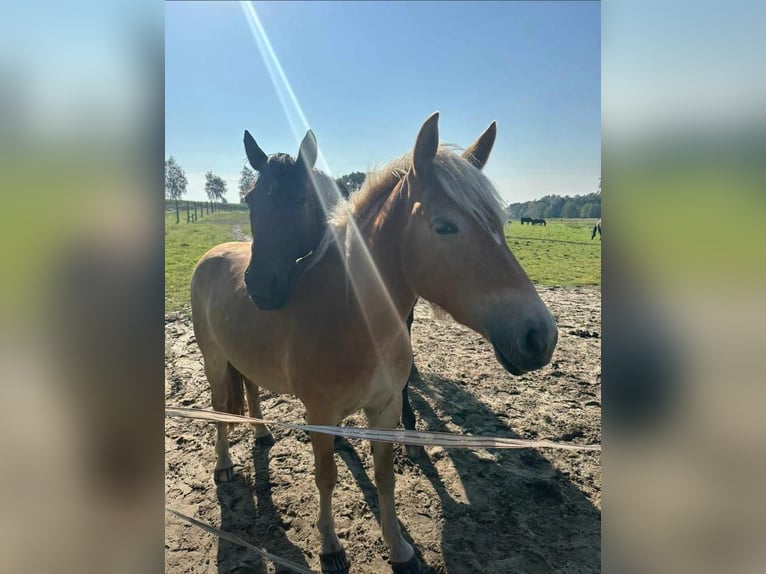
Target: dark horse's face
x=286, y=220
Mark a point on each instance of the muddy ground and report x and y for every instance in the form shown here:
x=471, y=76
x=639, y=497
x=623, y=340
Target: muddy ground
x=496, y=512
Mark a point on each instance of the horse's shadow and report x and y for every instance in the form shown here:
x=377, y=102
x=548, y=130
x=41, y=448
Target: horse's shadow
x=348, y=453
x=249, y=518
x=522, y=514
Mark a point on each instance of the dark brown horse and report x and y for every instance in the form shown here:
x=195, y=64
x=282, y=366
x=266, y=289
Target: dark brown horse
x=288, y=217
x=429, y=225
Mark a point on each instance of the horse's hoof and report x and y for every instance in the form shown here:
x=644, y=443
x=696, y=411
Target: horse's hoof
x=224, y=474
x=415, y=452
x=412, y=566
x=335, y=562
x=265, y=440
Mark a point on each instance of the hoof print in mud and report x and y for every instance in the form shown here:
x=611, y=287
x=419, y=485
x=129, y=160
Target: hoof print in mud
x=584, y=334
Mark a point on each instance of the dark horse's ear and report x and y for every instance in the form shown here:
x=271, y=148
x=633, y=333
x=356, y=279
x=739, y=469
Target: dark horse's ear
x=255, y=155
x=426, y=146
x=478, y=152
x=307, y=154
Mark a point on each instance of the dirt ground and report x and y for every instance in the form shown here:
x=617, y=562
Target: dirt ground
x=465, y=511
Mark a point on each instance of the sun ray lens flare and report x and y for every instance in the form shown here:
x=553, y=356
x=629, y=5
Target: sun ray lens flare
x=372, y=295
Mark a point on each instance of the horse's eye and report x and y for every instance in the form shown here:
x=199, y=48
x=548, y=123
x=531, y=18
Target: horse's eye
x=444, y=227
x=302, y=201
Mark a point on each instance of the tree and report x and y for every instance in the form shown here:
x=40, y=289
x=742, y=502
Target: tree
x=247, y=179
x=215, y=187
x=352, y=181
x=175, y=179
x=175, y=182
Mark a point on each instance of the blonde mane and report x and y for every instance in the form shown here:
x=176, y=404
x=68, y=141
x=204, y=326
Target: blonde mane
x=463, y=183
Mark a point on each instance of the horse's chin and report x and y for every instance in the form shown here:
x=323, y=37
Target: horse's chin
x=507, y=364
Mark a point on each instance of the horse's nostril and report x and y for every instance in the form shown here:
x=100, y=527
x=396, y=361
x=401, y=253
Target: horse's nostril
x=534, y=342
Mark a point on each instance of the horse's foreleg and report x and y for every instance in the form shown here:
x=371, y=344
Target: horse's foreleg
x=402, y=555
x=224, y=467
x=333, y=557
x=222, y=395
x=263, y=435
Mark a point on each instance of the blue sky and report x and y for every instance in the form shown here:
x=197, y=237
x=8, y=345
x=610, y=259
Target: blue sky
x=367, y=74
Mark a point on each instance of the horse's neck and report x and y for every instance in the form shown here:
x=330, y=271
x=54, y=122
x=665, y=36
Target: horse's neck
x=374, y=271
x=385, y=252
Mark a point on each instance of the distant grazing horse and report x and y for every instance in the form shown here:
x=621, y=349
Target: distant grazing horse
x=428, y=225
x=526, y=220
x=596, y=229
x=288, y=217
x=539, y=222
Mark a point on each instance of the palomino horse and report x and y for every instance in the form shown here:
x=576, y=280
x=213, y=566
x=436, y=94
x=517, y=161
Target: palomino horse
x=288, y=206
x=428, y=225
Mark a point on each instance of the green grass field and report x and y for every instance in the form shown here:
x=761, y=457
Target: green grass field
x=546, y=262
x=560, y=253
x=185, y=243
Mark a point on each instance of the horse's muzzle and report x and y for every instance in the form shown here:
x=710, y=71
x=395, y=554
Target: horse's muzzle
x=527, y=348
x=268, y=291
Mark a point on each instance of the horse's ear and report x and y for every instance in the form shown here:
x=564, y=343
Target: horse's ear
x=426, y=146
x=478, y=152
x=307, y=154
x=255, y=155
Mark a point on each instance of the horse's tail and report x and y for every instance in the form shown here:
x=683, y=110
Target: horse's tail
x=235, y=387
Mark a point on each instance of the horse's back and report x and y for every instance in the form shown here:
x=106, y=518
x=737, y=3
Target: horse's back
x=221, y=262
x=217, y=273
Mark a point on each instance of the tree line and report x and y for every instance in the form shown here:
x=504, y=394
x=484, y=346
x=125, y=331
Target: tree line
x=549, y=206
x=552, y=206
x=176, y=183
x=347, y=183
x=215, y=187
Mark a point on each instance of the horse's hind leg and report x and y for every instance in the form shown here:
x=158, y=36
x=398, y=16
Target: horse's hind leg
x=408, y=416
x=263, y=436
